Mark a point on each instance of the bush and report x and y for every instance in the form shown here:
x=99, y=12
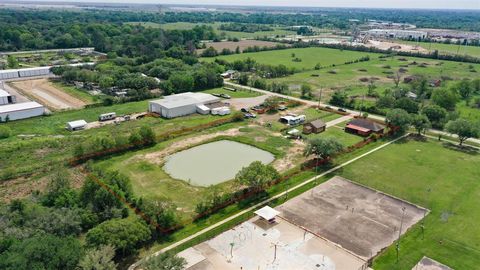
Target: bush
x=5, y=132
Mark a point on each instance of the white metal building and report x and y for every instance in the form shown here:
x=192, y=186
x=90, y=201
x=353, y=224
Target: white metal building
x=181, y=104
x=397, y=33
x=6, y=98
x=76, y=125
x=21, y=110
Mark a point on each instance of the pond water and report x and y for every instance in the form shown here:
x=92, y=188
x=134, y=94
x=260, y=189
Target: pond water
x=213, y=163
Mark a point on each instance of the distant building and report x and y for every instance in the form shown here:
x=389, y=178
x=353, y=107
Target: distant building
x=21, y=110
x=397, y=33
x=364, y=127
x=316, y=126
x=182, y=104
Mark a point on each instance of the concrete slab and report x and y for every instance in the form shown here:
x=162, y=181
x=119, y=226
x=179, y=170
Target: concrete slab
x=253, y=245
x=359, y=219
x=429, y=264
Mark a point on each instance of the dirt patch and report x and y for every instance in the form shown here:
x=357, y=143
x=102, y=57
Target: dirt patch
x=239, y=103
x=294, y=154
x=46, y=93
x=242, y=44
x=22, y=187
x=383, y=45
x=357, y=218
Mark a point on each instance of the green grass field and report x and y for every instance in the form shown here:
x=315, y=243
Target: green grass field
x=73, y=91
x=343, y=137
x=309, y=56
x=447, y=48
x=278, y=31
x=233, y=94
x=441, y=179
x=151, y=182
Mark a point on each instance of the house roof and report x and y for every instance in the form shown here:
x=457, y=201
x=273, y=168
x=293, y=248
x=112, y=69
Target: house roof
x=267, y=213
x=317, y=123
x=365, y=124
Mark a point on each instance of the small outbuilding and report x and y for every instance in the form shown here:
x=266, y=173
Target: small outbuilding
x=364, y=127
x=76, y=125
x=267, y=213
x=316, y=126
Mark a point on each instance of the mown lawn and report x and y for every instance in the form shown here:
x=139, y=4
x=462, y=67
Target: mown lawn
x=233, y=94
x=447, y=48
x=440, y=179
x=309, y=57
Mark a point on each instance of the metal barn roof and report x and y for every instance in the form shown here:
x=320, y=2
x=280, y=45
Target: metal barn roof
x=19, y=107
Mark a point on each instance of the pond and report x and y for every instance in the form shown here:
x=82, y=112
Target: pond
x=213, y=163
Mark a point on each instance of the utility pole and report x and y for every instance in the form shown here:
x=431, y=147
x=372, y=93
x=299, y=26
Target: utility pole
x=320, y=97
x=275, y=251
x=397, y=246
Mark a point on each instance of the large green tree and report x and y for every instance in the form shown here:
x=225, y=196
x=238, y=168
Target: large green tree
x=42, y=252
x=323, y=147
x=421, y=123
x=256, y=175
x=399, y=119
x=464, y=129
x=436, y=114
x=100, y=258
x=164, y=261
x=123, y=234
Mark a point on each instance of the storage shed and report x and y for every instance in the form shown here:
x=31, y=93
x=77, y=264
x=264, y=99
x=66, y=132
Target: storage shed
x=315, y=126
x=76, y=125
x=180, y=104
x=21, y=110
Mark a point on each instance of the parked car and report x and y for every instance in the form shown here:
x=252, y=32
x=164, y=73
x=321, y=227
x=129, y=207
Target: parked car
x=249, y=115
x=328, y=107
x=342, y=110
x=225, y=96
x=282, y=107
x=244, y=110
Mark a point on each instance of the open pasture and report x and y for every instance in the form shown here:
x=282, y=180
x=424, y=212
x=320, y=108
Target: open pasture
x=446, y=48
x=242, y=45
x=439, y=177
x=308, y=57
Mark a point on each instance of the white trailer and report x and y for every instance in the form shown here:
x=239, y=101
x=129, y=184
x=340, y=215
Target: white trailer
x=107, y=116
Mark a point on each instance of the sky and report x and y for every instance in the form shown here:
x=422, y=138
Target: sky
x=428, y=4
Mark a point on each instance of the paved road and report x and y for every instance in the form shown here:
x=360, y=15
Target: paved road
x=352, y=112
x=280, y=195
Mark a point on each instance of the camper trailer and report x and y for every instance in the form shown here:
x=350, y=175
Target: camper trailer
x=107, y=116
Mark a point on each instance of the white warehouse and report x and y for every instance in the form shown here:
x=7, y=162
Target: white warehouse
x=182, y=104
x=6, y=98
x=397, y=33
x=21, y=110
